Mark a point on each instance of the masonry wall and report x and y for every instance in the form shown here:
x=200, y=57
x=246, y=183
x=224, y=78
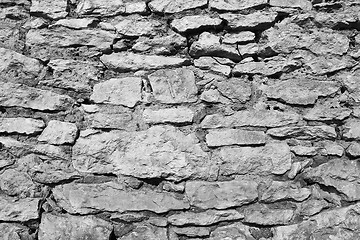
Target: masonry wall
x=174, y=120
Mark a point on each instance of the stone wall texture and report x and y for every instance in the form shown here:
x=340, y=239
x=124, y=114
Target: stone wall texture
x=179, y=119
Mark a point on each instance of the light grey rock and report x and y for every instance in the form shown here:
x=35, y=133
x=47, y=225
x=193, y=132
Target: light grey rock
x=351, y=83
x=297, y=167
x=209, y=63
x=235, y=5
x=312, y=206
x=15, y=182
x=330, y=148
x=169, y=6
x=173, y=86
x=263, y=215
x=232, y=231
x=133, y=26
x=225, y=137
x=147, y=232
x=75, y=23
x=68, y=227
x=58, y=133
x=253, y=21
x=21, y=125
x=354, y=149
x=125, y=62
x=192, y=231
x=304, y=150
x=132, y=7
x=100, y=7
x=123, y=121
x=241, y=37
x=221, y=195
x=112, y=197
x=206, y=218
x=118, y=91
x=341, y=174
x=52, y=151
x=12, y=231
x=195, y=22
x=284, y=191
x=253, y=118
x=170, y=115
x=16, y=95
x=18, y=210
x=351, y=130
x=330, y=110
x=53, y=10
x=304, y=132
x=303, y=4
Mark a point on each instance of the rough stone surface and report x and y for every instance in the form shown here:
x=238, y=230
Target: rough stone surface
x=21, y=125
x=303, y=4
x=304, y=132
x=57, y=132
x=168, y=6
x=216, y=138
x=191, y=23
x=136, y=26
x=100, y=7
x=171, y=115
x=281, y=191
x=351, y=130
x=22, y=210
x=263, y=215
x=253, y=21
x=234, y=5
x=50, y=9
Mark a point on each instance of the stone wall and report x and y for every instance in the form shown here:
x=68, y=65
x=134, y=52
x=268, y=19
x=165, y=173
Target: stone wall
x=179, y=119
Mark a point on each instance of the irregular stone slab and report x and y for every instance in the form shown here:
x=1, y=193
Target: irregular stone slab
x=354, y=149
x=169, y=6
x=15, y=182
x=170, y=115
x=253, y=21
x=167, y=153
x=134, y=25
x=241, y=37
x=209, y=45
x=57, y=133
x=297, y=167
x=301, y=91
x=64, y=227
x=9, y=30
x=14, y=65
x=206, y=218
x=273, y=158
x=16, y=95
x=351, y=130
x=304, y=150
x=75, y=23
x=313, y=206
x=341, y=174
x=221, y=195
x=235, y=5
x=327, y=111
x=232, y=231
x=53, y=10
x=225, y=137
x=21, y=125
x=252, y=118
x=173, y=86
x=304, y=132
x=21, y=210
x=209, y=63
x=284, y=191
x=330, y=148
x=303, y=4
x=263, y=215
x=192, y=231
x=52, y=151
x=147, y=232
x=234, y=89
x=196, y=22
x=122, y=121
x=100, y=7
x=118, y=91
x=124, y=62
x=352, y=84
x=11, y=231
x=92, y=198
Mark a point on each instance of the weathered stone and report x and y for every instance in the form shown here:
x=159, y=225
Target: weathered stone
x=195, y=22
x=303, y=4
x=209, y=45
x=128, y=217
x=100, y=7
x=235, y=5
x=304, y=132
x=192, y=231
x=146, y=232
x=171, y=115
x=224, y=137
x=351, y=130
x=248, y=50
x=57, y=133
x=125, y=62
x=17, y=183
x=221, y=195
x=10, y=33
x=327, y=111
x=169, y=6
x=21, y=210
x=52, y=151
x=133, y=25
x=75, y=23
x=284, y=191
x=232, y=231
x=253, y=21
x=64, y=227
x=206, y=218
x=211, y=96
x=173, y=86
x=111, y=197
x=135, y=7
x=118, y=91
x=263, y=215
x=122, y=121
x=11, y=231
x=341, y=174
x=350, y=80
x=253, y=118
x=15, y=66
x=209, y=63
x=49, y=9
x=301, y=91
x=312, y=207
x=330, y=148
x=273, y=158
x=21, y=125
x=166, y=153
x=16, y=95
x=354, y=149
x=297, y=167
x=241, y=37
x=304, y=150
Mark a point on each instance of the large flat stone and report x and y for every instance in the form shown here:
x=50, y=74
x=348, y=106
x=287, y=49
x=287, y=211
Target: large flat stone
x=21, y=210
x=123, y=121
x=221, y=195
x=16, y=95
x=233, y=231
x=304, y=132
x=125, y=62
x=75, y=23
x=253, y=21
x=328, y=111
x=210, y=63
x=350, y=80
x=21, y=125
x=224, y=137
x=52, y=10
x=170, y=115
x=92, y=198
x=261, y=214
x=284, y=191
x=100, y=7
x=235, y=5
x=303, y=4
x=166, y=153
x=57, y=133
x=13, y=231
x=253, y=118
x=133, y=26
x=195, y=22
x=65, y=227
x=169, y=6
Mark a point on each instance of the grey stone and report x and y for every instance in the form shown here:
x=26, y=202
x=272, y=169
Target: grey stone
x=18, y=210
x=133, y=25
x=50, y=9
x=15, y=182
x=263, y=215
x=146, y=232
x=221, y=195
x=341, y=174
x=312, y=206
x=125, y=62
x=118, y=91
x=253, y=21
x=75, y=23
x=297, y=167
x=232, y=231
x=135, y=7
x=12, y=231
x=304, y=132
x=354, y=149
x=224, y=137
x=169, y=6
x=195, y=22
x=52, y=151
x=330, y=110
x=209, y=63
x=235, y=5
x=58, y=133
x=192, y=231
x=16, y=95
x=303, y=4
x=253, y=118
x=112, y=197
x=284, y=191
x=241, y=37
x=170, y=115
x=350, y=80
x=351, y=130
x=21, y=125
x=304, y=150
x=330, y=148
x=123, y=121
x=100, y=7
